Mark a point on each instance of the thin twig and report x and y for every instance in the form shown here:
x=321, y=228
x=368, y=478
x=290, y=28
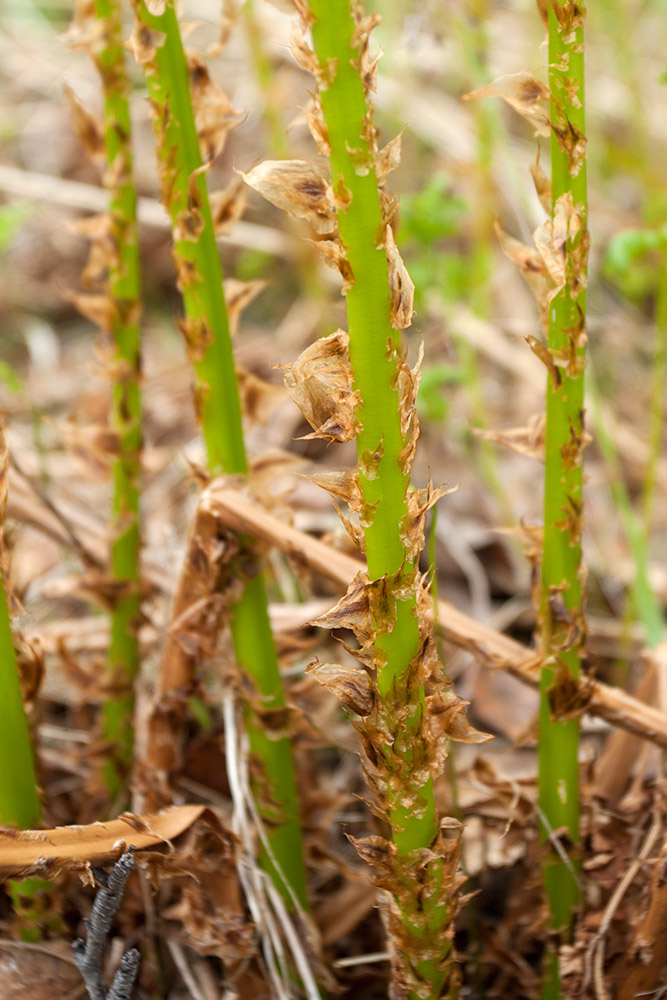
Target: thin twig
x=88, y=953
x=238, y=512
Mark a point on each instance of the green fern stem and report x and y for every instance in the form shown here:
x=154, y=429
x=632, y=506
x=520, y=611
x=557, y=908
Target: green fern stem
x=218, y=404
x=124, y=291
x=375, y=350
x=562, y=618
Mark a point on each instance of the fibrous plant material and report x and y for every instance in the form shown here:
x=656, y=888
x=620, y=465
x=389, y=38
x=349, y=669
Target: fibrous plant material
x=357, y=384
x=186, y=127
x=500, y=651
x=112, y=273
x=563, y=245
x=73, y=849
x=19, y=803
x=88, y=954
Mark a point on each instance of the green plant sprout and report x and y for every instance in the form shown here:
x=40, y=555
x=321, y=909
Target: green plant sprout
x=358, y=385
x=124, y=291
x=169, y=76
x=561, y=619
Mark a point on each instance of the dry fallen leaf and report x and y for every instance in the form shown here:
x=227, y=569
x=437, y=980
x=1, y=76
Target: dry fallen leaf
x=48, y=853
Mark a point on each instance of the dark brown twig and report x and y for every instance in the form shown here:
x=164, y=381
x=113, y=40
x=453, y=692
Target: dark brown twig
x=88, y=953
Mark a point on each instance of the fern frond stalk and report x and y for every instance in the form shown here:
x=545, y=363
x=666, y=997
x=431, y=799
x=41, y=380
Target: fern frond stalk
x=562, y=620
x=170, y=75
x=419, y=866
x=122, y=287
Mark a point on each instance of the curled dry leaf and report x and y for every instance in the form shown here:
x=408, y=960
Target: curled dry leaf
x=542, y=183
x=445, y=712
x=546, y=356
x=401, y=286
x=197, y=335
x=99, y=309
x=144, y=43
x=320, y=383
x=88, y=128
x=302, y=189
x=528, y=440
x=94, y=446
x=302, y=53
x=238, y=295
x=49, y=853
x=227, y=206
x=333, y=255
x=366, y=65
x=523, y=92
x=531, y=265
x=343, y=484
x=214, y=114
x=318, y=127
x=259, y=399
x=351, y=685
x=388, y=158
x=419, y=503
x=351, y=611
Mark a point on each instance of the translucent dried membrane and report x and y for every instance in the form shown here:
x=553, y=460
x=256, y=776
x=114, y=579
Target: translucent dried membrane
x=321, y=384
x=524, y=93
x=300, y=188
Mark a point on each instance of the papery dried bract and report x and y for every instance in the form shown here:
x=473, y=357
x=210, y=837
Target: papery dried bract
x=238, y=295
x=88, y=128
x=419, y=503
x=144, y=43
x=333, y=255
x=542, y=183
x=350, y=685
x=401, y=286
x=321, y=384
x=298, y=187
x=531, y=265
x=524, y=93
x=528, y=440
x=198, y=336
x=227, y=206
x=388, y=158
x=214, y=114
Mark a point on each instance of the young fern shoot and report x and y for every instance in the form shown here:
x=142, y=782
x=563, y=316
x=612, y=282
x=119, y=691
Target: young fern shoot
x=562, y=617
x=556, y=271
x=112, y=273
x=182, y=121
x=358, y=384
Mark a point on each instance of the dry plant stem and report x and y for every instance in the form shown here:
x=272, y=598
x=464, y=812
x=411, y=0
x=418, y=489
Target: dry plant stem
x=159, y=49
x=646, y=957
x=123, y=289
x=562, y=624
x=499, y=651
x=619, y=755
x=19, y=804
x=88, y=954
x=423, y=949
